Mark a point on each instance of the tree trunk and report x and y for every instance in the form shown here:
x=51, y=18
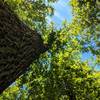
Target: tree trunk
x=19, y=46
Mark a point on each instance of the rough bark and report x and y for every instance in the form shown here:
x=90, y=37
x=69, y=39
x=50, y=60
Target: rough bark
x=19, y=46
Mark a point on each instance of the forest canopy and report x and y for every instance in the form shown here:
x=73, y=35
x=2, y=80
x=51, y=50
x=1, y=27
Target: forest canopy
x=60, y=73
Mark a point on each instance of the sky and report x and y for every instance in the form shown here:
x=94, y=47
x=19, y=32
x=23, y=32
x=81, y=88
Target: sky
x=62, y=12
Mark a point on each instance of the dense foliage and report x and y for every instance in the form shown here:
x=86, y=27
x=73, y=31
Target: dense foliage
x=87, y=15
x=60, y=74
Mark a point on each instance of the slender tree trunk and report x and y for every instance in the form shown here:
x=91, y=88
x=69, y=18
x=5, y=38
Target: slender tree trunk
x=19, y=46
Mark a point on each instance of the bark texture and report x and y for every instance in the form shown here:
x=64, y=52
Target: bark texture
x=19, y=46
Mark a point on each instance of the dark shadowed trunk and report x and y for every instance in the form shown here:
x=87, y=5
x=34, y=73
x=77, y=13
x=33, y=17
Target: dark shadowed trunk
x=19, y=46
